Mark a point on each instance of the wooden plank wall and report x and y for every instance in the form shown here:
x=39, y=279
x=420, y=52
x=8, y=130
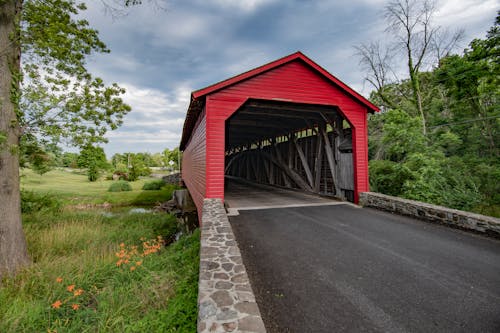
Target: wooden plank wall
x=279, y=162
x=194, y=163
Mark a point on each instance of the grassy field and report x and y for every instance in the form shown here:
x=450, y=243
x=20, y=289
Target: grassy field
x=74, y=189
x=97, y=270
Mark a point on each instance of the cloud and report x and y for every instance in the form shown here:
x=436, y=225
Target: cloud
x=160, y=56
x=471, y=15
x=156, y=117
x=244, y=5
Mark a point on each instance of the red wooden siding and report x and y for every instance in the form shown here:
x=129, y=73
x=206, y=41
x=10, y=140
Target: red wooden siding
x=294, y=82
x=194, y=163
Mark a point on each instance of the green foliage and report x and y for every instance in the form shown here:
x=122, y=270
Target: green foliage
x=448, y=142
x=402, y=135
x=457, y=163
x=154, y=185
x=34, y=202
x=60, y=99
x=172, y=156
x=35, y=157
x=137, y=168
x=120, y=186
x=79, y=247
x=388, y=177
x=134, y=164
x=69, y=160
x=94, y=159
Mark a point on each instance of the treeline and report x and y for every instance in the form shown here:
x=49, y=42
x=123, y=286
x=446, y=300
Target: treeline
x=447, y=152
x=43, y=158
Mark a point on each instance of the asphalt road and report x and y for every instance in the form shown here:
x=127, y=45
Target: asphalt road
x=347, y=269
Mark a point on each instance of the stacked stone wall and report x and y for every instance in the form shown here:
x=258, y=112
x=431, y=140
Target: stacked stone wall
x=226, y=302
x=174, y=178
x=432, y=213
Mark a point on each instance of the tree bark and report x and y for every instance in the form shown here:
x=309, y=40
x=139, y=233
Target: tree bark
x=417, y=95
x=13, y=252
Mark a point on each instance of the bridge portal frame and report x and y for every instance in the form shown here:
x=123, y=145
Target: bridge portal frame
x=294, y=79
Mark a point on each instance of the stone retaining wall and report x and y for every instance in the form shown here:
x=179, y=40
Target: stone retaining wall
x=226, y=302
x=174, y=178
x=433, y=213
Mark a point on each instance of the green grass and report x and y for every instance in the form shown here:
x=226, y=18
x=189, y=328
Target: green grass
x=75, y=189
x=81, y=246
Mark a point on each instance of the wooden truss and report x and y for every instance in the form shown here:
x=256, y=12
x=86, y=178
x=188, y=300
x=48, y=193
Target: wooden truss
x=295, y=146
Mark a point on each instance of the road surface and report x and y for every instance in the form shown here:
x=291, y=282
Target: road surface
x=339, y=268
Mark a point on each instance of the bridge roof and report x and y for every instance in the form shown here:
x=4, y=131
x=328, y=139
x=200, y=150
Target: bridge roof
x=198, y=96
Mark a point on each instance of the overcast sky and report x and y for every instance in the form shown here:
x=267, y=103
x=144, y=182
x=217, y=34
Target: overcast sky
x=160, y=56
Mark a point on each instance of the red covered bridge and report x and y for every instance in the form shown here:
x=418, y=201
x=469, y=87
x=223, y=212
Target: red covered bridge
x=288, y=123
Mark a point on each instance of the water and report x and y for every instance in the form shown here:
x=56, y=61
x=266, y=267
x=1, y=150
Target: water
x=120, y=210
x=139, y=210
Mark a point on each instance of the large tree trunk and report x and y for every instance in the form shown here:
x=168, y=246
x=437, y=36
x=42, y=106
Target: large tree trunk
x=13, y=253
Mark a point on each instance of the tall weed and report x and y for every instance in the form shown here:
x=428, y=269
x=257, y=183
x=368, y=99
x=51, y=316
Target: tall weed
x=78, y=250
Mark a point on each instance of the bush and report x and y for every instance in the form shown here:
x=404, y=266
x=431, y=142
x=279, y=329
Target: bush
x=388, y=177
x=153, y=185
x=34, y=202
x=120, y=186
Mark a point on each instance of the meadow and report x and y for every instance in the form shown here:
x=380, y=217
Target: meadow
x=100, y=269
x=73, y=188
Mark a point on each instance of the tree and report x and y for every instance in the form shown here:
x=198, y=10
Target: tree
x=58, y=98
x=418, y=39
x=137, y=167
x=34, y=155
x=94, y=160
x=69, y=160
x=376, y=61
x=472, y=84
x=13, y=253
x=172, y=155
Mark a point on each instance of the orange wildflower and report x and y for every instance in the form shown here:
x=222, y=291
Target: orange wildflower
x=57, y=304
x=59, y=280
x=132, y=268
x=70, y=288
x=122, y=244
x=138, y=263
x=75, y=306
x=78, y=292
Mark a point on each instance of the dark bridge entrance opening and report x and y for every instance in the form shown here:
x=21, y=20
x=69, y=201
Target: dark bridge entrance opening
x=292, y=145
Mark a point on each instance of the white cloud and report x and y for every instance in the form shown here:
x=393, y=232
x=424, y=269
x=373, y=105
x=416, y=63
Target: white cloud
x=156, y=117
x=453, y=12
x=242, y=5
x=471, y=15
x=153, y=101
x=144, y=137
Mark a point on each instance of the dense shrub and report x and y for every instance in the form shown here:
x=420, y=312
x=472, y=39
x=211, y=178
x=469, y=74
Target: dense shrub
x=153, y=185
x=120, y=186
x=33, y=202
x=388, y=177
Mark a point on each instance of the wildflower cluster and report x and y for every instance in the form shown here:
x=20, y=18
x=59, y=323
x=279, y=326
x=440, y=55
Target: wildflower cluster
x=71, y=298
x=131, y=256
